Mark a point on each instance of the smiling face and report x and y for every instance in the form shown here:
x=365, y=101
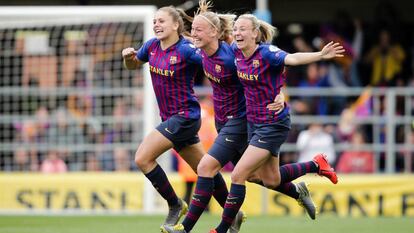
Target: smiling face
x=244, y=34
x=164, y=25
x=202, y=32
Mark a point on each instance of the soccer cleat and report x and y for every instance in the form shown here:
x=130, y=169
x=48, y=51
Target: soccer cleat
x=324, y=168
x=175, y=213
x=305, y=199
x=213, y=231
x=238, y=220
x=179, y=228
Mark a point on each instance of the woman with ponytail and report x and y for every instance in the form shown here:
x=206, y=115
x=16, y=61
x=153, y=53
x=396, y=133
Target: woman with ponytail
x=260, y=68
x=173, y=63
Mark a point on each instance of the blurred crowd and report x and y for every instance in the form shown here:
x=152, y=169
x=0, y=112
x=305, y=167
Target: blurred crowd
x=81, y=129
x=378, y=55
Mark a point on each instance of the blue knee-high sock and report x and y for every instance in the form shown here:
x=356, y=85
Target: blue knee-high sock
x=292, y=171
x=160, y=182
x=289, y=189
x=231, y=208
x=220, y=189
x=201, y=197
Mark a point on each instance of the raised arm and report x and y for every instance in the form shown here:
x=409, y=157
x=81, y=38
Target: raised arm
x=329, y=51
x=130, y=58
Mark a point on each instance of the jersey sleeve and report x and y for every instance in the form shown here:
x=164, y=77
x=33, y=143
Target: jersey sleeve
x=191, y=53
x=142, y=53
x=274, y=55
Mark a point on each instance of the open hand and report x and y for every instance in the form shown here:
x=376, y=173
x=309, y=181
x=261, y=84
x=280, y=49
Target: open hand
x=332, y=50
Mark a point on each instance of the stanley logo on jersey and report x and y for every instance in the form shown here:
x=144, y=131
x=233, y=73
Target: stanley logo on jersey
x=173, y=60
x=218, y=68
x=256, y=63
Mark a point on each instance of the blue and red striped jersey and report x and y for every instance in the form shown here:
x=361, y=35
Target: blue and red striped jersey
x=228, y=96
x=172, y=73
x=262, y=77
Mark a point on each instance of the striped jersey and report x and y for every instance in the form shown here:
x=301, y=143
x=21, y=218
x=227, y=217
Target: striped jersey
x=172, y=73
x=228, y=96
x=262, y=77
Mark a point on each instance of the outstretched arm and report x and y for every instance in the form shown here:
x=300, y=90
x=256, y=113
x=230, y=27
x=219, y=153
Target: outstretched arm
x=130, y=58
x=329, y=51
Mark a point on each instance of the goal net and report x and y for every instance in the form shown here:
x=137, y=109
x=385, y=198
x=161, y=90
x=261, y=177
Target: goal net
x=64, y=91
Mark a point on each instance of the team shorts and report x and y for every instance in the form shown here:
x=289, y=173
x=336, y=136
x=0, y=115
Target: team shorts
x=231, y=141
x=180, y=131
x=269, y=136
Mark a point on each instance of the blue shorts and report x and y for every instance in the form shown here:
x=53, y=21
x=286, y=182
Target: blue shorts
x=180, y=131
x=231, y=141
x=269, y=136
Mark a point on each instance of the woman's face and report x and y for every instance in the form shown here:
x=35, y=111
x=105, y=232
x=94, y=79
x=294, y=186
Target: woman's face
x=244, y=34
x=202, y=32
x=164, y=25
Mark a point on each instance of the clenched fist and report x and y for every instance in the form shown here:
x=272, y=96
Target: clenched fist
x=129, y=53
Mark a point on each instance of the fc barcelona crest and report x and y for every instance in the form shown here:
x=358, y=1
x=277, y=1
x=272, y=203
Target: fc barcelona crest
x=218, y=68
x=173, y=60
x=256, y=63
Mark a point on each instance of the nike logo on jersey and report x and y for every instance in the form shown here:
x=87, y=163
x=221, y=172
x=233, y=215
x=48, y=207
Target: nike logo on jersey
x=229, y=140
x=261, y=141
x=166, y=129
x=152, y=53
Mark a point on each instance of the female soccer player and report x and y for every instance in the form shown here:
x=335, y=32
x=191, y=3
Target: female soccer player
x=173, y=64
x=259, y=68
x=209, y=30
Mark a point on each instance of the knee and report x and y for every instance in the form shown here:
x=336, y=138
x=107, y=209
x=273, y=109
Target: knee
x=142, y=161
x=207, y=169
x=238, y=177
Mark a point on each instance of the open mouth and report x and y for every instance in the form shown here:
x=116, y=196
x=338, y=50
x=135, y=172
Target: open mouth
x=157, y=31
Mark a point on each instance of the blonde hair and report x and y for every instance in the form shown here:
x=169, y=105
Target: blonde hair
x=266, y=31
x=223, y=23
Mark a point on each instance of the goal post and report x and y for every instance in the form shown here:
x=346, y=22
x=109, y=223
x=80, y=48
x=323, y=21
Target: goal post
x=50, y=54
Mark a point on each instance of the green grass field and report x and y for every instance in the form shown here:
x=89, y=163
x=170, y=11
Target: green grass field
x=150, y=224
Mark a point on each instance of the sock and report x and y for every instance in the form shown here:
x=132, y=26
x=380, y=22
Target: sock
x=220, y=190
x=292, y=171
x=289, y=189
x=231, y=208
x=160, y=182
x=202, y=195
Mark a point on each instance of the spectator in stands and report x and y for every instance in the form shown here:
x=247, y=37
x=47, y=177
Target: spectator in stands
x=92, y=163
x=40, y=63
x=313, y=141
x=21, y=160
x=65, y=133
x=120, y=131
x=314, y=80
x=53, y=163
x=31, y=131
x=386, y=58
x=356, y=160
x=296, y=74
x=122, y=159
